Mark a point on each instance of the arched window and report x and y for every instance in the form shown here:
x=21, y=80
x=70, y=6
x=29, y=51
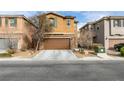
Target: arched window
x=53, y=22
x=68, y=23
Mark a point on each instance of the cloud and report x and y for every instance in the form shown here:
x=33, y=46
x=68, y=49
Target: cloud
x=26, y=13
x=92, y=16
x=12, y=12
x=80, y=25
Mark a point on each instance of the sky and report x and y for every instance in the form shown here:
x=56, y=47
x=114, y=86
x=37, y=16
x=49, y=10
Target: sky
x=82, y=16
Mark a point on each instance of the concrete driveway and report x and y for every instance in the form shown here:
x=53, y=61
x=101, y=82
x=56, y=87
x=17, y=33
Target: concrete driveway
x=56, y=54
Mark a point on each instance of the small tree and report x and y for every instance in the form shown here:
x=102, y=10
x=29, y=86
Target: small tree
x=43, y=24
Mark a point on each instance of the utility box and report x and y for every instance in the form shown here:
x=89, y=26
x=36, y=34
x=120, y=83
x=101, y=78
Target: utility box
x=81, y=50
x=100, y=49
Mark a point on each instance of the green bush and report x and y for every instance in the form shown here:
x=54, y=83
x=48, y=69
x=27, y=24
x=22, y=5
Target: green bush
x=11, y=51
x=96, y=46
x=5, y=55
x=122, y=51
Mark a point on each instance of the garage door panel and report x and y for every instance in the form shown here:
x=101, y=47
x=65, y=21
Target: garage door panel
x=57, y=43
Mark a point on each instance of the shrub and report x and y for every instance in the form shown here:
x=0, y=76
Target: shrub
x=122, y=51
x=96, y=46
x=5, y=55
x=11, y=51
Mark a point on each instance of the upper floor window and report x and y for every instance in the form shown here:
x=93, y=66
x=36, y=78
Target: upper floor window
x=68, y=22
x=13, y=22
x=53, y=22
x=98, y=28
x=0, y=21
x=117, y=23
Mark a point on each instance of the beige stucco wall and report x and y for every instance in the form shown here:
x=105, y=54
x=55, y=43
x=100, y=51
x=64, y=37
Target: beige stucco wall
x=110, y=32
x=9, y=29
x=107, y=32
x=62, y=24
x=100, y=32
x=62, y=30
x=117, y=30
x=18, y=31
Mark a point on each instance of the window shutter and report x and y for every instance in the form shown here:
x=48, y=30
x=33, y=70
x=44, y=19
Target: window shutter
x=55, y=22
x=15, y=21
x=0, y=21
x=6, y=21
x=123, y=23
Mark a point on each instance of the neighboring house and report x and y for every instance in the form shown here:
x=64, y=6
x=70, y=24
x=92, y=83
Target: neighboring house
x=86, y=35
x=63, y=35
x=15, y=31
x=108, y=31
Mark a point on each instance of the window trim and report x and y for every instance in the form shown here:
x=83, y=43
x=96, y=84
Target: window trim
x=14, y=24
x=0, y=21
x=54, y=24
x=6, y=21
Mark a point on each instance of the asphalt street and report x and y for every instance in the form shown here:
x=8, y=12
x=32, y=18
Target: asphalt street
x=62, y=71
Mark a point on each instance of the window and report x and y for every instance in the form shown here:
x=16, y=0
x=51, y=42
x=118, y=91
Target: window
x=6, y=21
x=0, y=21
x=97, y=28
x=53, y=22
x=13, y=22
x=117, y=23
x=68, y=23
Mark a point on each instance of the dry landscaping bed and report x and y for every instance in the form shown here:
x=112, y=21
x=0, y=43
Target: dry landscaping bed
x=25, y=54
x=85, y=53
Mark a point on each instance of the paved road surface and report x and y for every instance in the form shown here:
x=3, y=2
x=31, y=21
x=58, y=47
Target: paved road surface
x=76, y=71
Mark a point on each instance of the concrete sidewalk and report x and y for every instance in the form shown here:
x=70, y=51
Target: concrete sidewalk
x=65, y=55
x=96, y=58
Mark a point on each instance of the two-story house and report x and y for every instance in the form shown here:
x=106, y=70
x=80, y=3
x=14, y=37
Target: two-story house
x=64, y=31
x=108, y=30
x=15, y=29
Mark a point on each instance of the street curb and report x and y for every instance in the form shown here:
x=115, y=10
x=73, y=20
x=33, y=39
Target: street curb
x=78, y=59
x=41, y=63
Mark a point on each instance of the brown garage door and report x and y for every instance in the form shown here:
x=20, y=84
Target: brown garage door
x=112, y=42
x=57, y=43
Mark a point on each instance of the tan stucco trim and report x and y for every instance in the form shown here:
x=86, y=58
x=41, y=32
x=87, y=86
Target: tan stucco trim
x=59, y=33
x=57, y=37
